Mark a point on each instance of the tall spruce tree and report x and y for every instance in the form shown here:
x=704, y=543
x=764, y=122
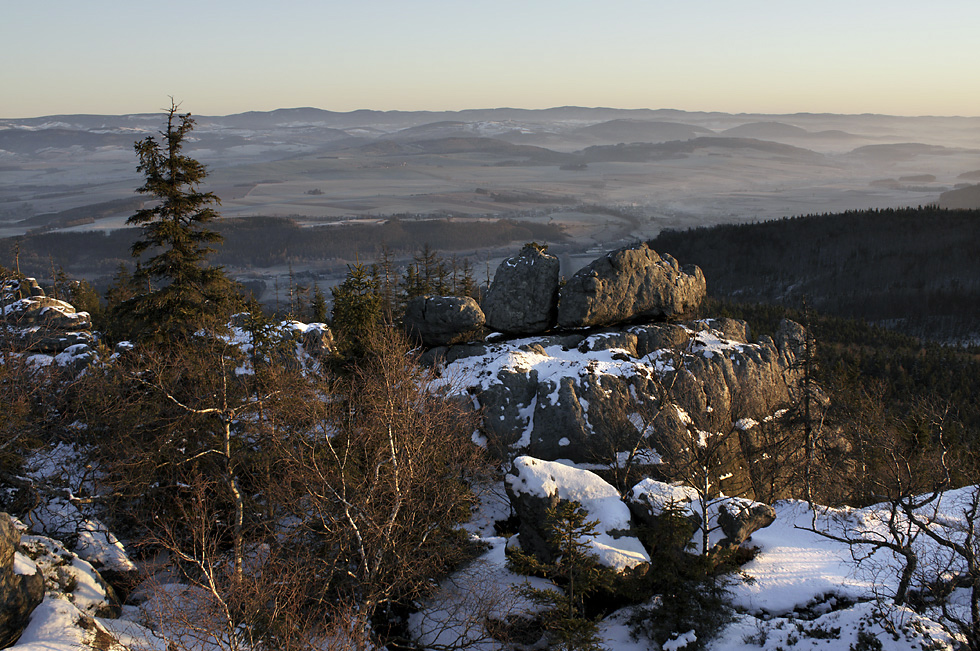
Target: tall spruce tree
x=183, y=292
x=357, y=311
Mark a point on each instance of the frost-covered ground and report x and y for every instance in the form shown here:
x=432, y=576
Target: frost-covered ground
x=801, y=591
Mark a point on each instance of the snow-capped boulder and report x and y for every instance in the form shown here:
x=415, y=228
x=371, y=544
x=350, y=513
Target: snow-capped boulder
x=523, y=297
x=629, y=283
x=317, y=339
x=313, y=342
x=534, y=486
x=440, y=320
x=21, y=584
x=650, y=500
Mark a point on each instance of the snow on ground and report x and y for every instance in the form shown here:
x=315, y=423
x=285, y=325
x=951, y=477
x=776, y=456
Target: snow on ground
x=67, y=575
x=54, y=627
x=550, y=362
x=707, y=343
x=467, y=601
x=795, y=566
x=802, y=590
x=65, y=465
x=58, y=625
x=94, y=542
x=850, y=628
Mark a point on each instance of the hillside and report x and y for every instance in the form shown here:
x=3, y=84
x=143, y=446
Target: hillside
x=915, y=270
x=967, y=198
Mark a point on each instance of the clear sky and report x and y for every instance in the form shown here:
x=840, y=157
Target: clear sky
x=217, y=57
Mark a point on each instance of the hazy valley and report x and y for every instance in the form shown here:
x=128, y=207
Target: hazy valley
x=605, y=177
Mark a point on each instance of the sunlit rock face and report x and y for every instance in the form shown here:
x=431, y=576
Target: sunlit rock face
x=21, y=589
x=642, y=395
x=49, y=329
x=628, y=284
x=440, y=320
x=523, y=298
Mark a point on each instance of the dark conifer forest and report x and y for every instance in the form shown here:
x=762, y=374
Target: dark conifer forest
x=914, y=270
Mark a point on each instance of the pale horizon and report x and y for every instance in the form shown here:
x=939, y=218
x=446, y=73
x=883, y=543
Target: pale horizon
x=758, y=57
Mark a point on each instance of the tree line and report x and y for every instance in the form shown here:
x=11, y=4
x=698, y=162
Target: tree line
x=912, y=269
x=257, y=242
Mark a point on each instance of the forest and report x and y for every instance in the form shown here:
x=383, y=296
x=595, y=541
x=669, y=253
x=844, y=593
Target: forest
x=914, y=270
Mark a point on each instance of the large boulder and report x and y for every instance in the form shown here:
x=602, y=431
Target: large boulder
x=627, y=284
x=739, y=518
x=316, y=339
x=652, y=501
x=21, y=584
x=534, y=486
x=441, y=320
x=523, y=298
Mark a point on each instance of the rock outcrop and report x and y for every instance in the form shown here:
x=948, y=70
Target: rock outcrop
x=40, y=324
x=440, y=320
x=21, y=584
x=628, y=284
x=740, y=518
x=644, y=387
x=523, y=297
x=651, y=500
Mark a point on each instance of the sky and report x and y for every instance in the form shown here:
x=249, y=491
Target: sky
x=219, y=57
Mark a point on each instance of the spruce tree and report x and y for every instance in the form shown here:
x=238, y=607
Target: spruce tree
x=357, y=311
x=318, y=307
x=577, y=573
x=183, y=292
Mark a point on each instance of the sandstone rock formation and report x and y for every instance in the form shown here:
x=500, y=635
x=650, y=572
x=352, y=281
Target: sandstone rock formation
x=523, y=297
x=37, y=323
x=627, y=284
x=21, y=589
x=740, y=518
x=440, y=320
x=643, y=388
x=316, y=339
x=650, y=500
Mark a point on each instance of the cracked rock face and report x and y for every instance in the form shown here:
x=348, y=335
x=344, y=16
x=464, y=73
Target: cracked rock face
x=523, y=298
x=652, y=389
x=441, y=320
x=627, y=284
x=20, y=593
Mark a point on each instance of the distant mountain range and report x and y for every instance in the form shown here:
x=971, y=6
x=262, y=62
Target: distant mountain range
x=666, y=166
